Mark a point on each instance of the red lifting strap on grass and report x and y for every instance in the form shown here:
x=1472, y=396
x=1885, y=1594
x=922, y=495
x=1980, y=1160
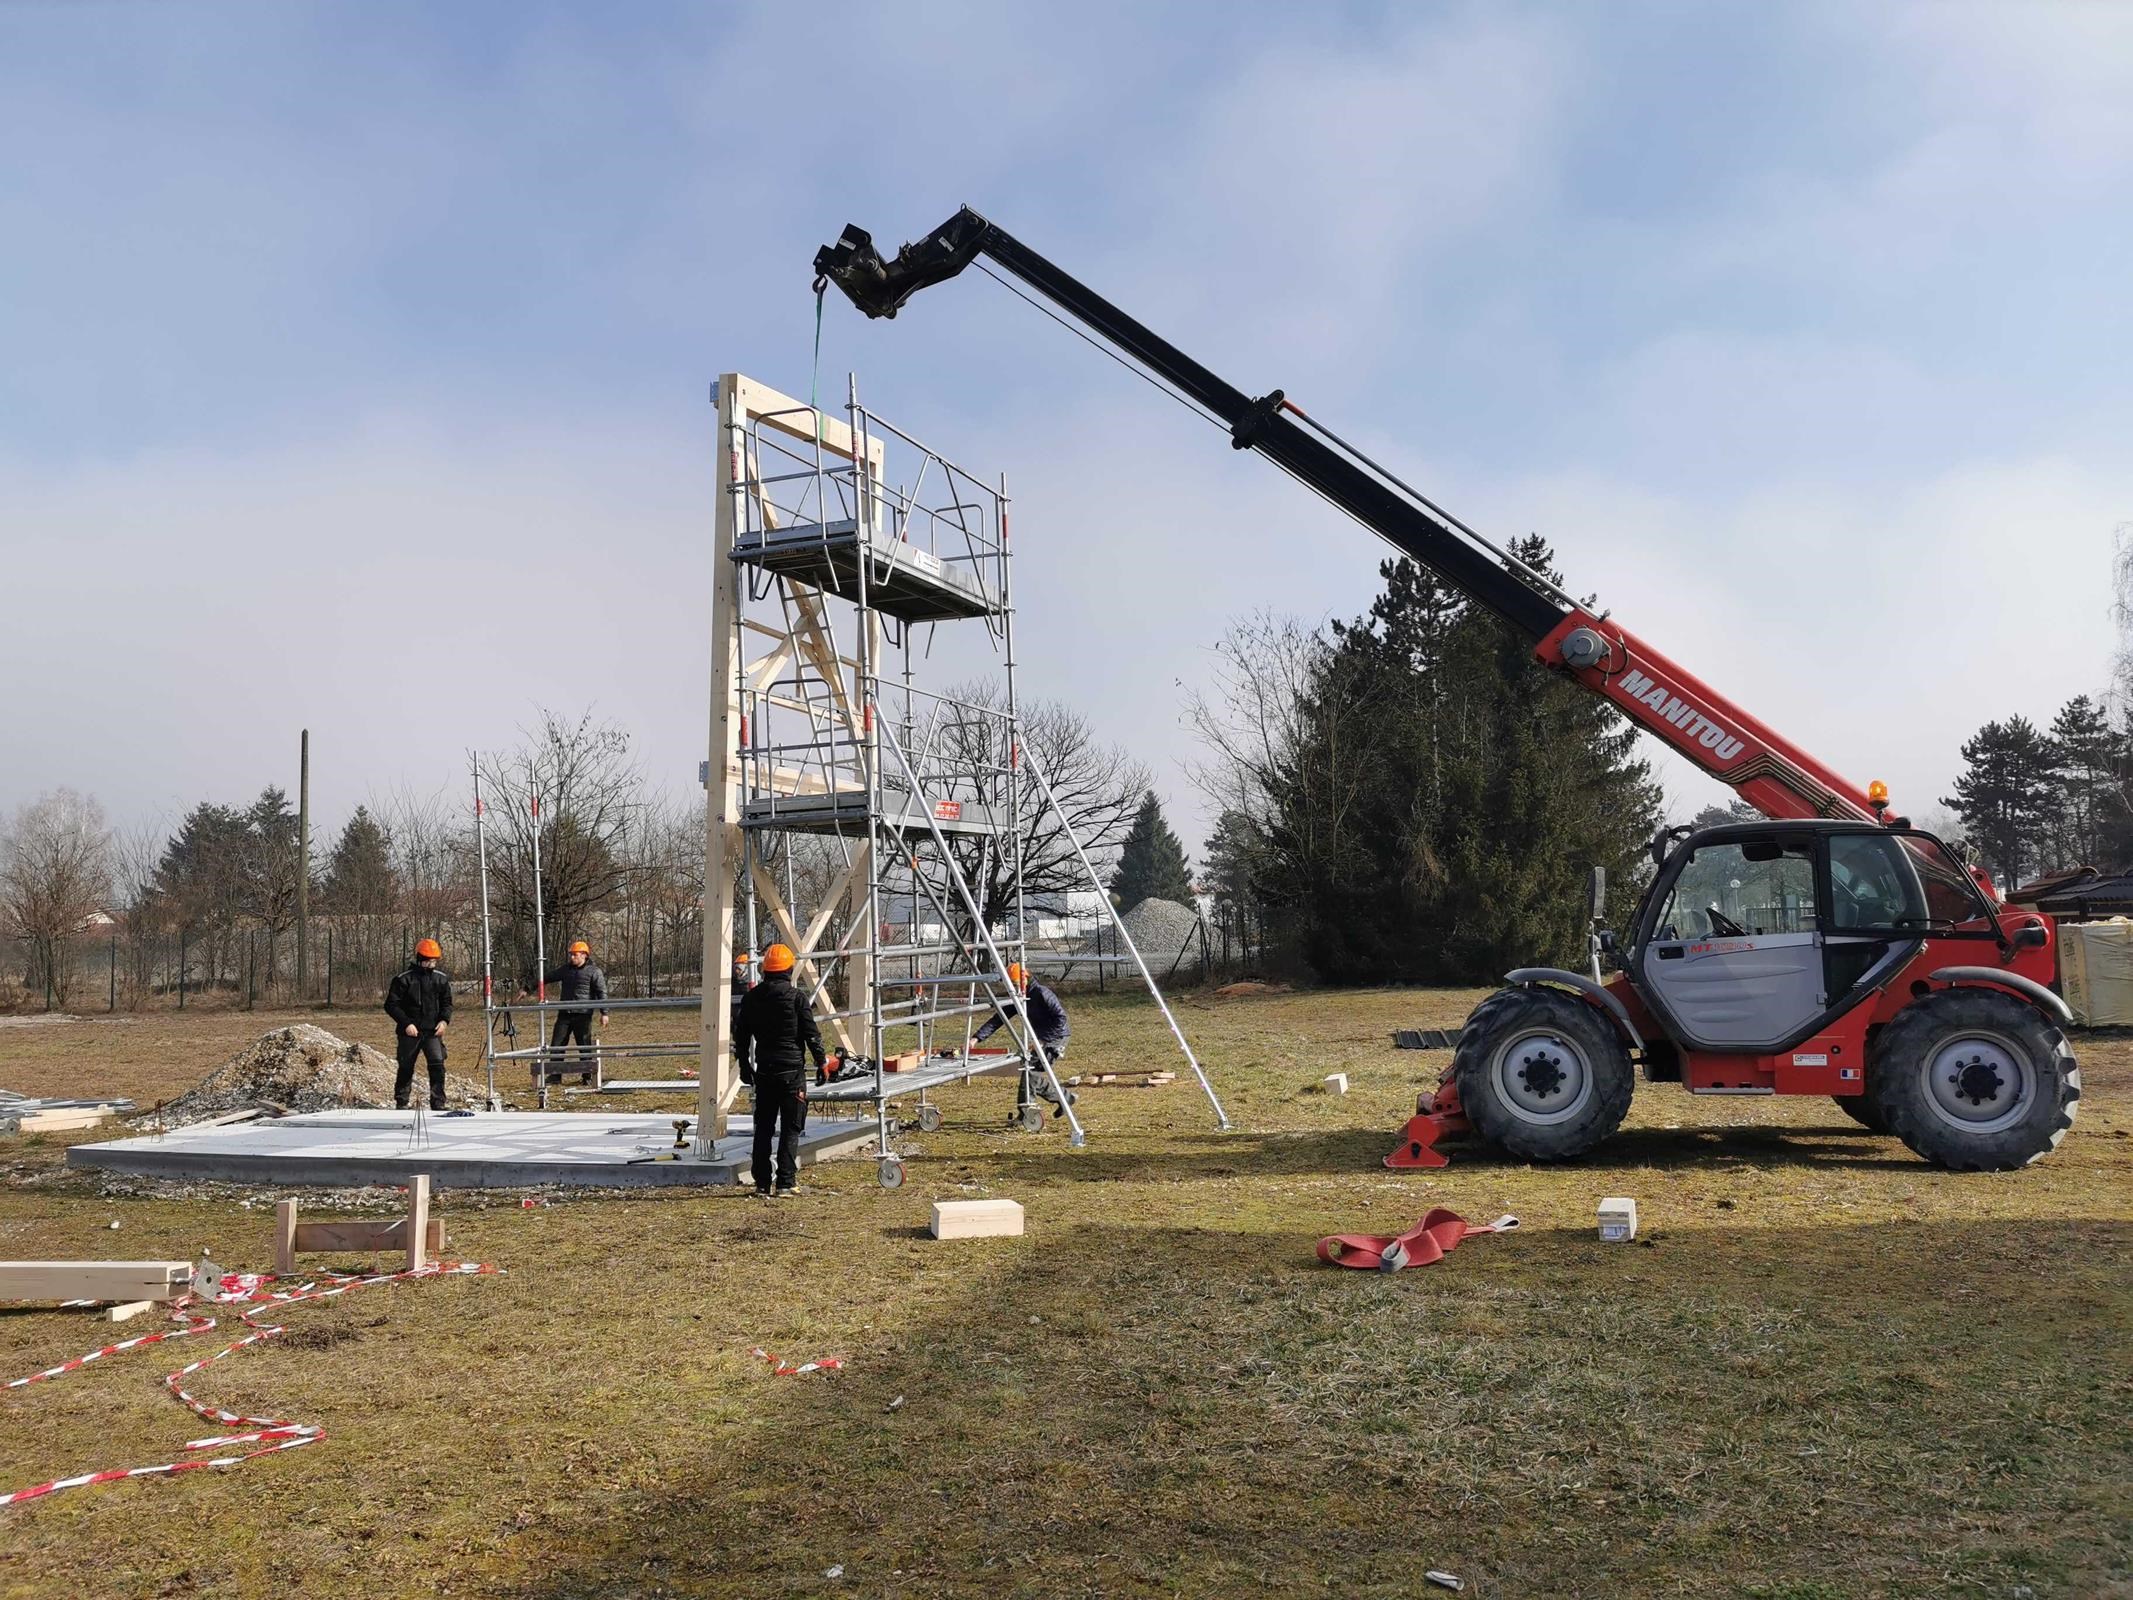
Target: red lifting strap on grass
x=1429, y=1240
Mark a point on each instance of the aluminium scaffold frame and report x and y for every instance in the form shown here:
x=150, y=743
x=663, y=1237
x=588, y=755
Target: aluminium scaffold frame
x=815, y=734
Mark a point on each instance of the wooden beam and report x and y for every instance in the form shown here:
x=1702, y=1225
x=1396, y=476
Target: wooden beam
x=94, y=1280
x=128, y=1311
x=766, y=891
x=755, y=401
x=976, y=1219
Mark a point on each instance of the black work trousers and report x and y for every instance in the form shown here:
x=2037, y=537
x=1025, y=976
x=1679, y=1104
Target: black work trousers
x=571, y=1027
x=431, y=1049
x=780, y=1114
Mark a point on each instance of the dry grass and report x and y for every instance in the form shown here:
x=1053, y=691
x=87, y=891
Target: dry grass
x=1832, y=1372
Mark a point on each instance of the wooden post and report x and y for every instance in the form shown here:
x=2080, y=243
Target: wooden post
x=285, y=1238
x=418, y=1221
x=718, y=1078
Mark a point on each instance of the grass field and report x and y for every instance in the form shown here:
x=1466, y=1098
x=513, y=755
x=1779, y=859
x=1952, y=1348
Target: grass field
x=1826, y=1370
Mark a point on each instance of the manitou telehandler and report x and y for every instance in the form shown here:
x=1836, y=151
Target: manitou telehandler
x=1831, y=950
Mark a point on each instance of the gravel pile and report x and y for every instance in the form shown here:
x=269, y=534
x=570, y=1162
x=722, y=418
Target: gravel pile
x=1161, y=929
x=302, y=1068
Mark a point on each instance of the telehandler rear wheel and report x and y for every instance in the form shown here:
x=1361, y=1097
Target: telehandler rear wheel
x=1542, y=1074
x=1974, y=1079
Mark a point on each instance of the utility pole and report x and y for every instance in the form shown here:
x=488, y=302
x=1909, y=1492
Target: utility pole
x=303, y=865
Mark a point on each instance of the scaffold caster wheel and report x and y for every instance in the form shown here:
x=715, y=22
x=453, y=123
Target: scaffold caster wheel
x=892, y=1172
x=929, y=1119
x=1032, y=1119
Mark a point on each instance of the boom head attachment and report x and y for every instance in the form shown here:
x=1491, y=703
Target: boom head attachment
x=880, y=287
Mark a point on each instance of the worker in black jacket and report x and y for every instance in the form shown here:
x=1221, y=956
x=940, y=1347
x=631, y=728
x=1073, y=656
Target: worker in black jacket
x=776, y=1035
x=419, y=1001
x=576, y=979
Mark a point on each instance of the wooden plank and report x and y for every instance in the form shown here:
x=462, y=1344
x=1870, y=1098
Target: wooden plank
x=128, y=1311
x=94, y=1280
x=976, y=1219
x=357, y=1235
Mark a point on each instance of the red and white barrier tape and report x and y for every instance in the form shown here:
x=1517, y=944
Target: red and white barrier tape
x=779, y=1369
x=270, y=1433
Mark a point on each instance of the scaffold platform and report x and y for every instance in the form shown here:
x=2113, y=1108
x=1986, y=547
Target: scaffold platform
x=901, y=579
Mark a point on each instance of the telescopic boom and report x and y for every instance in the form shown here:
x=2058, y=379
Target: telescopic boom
x=1770, y=773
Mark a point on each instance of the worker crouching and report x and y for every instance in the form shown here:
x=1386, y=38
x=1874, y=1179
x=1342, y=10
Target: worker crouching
x=776, y=1035
x=1047, y=1023
x=419, y=1000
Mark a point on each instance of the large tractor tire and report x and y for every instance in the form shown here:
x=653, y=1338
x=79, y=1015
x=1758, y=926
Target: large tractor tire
x=1542, y=1074
x=1974, y=1080
x=1861, y=1109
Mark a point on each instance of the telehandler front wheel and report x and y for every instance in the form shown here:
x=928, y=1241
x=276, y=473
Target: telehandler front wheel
x=1542, y=1074
x=1974, y=1079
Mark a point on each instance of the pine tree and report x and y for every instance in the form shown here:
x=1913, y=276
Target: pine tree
x=2089, y=762
x=2007, y=796
x=1151, y=863
x=359, y=869
x=1438, y=820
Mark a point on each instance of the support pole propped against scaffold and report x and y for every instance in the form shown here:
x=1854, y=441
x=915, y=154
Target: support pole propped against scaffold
x=1125, y=937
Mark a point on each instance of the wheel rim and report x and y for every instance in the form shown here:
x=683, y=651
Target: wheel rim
x=1541, y=1076
x=1980, y=1083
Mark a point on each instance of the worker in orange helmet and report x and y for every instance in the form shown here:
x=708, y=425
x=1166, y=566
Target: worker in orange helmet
x=1047, y=1026
x=775, y=1035
x=419, y=1000
x=576, y=979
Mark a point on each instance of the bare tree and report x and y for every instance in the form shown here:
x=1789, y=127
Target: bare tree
x=590, y=795
x=134, y=854
x=55, y=873
x=1098, y=788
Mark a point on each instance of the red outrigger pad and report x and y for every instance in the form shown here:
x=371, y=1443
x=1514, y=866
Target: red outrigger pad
x=1428, y=1241
x=1435, y=1116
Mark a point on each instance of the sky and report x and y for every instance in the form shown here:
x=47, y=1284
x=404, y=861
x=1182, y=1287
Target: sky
x=355, y=360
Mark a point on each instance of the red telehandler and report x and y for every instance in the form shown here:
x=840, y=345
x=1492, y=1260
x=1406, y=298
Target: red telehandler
x=1830, y=950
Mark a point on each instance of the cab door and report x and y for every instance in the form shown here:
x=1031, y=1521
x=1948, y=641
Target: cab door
x=1733, y=958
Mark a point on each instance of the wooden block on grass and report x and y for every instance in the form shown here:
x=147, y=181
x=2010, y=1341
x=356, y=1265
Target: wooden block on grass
x=94, y=1280
x=64, y=1120
x=976, y=1219
x=128, y=1311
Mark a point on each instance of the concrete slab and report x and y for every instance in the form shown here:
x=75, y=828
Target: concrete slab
x=488, y=1150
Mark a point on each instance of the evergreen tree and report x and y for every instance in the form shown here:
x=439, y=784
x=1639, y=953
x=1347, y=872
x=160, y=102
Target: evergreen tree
x=2089, y=766
x=359, y=870
x=1234, y=862
x=1151, y=863
x=2007, y=796
x=1439, y=817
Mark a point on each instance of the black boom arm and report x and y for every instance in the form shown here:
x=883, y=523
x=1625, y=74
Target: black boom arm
x=880, y=287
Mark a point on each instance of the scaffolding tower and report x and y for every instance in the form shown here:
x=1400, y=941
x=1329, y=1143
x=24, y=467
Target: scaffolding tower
x=870, y=823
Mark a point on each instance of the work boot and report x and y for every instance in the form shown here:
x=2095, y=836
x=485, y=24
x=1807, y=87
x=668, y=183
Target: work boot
x=788, y=1191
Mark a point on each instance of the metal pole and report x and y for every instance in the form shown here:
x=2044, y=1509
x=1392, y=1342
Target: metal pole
x=112, y=1003
x=329, y=966
x=1221, y=1116
x=1020, y=1018
x=869, y=765
x=488, y=979
x=303, y=867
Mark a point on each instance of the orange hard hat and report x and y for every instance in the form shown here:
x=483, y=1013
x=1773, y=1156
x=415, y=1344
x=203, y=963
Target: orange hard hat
x=578, y=947
x=778, y=958
x=430, y=948
x=1016, y=975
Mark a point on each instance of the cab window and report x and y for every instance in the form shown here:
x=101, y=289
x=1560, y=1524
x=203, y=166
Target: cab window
x=1873, y=884
x=1746, y=886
